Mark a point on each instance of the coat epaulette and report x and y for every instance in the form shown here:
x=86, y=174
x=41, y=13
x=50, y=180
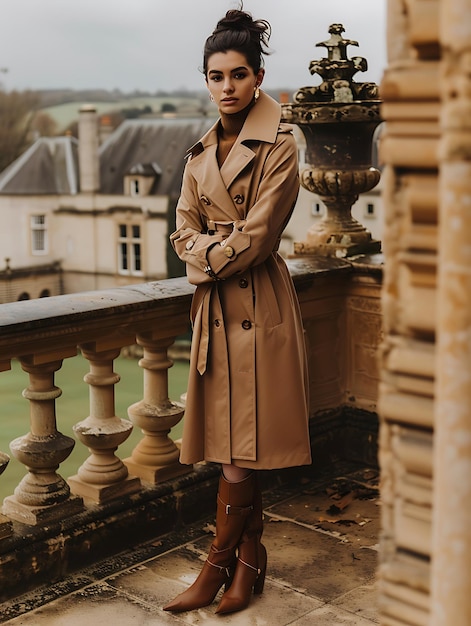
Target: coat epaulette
x=196, y=149
x=285, y=128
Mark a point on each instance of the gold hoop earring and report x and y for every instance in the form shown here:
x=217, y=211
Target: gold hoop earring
x=256, y=94
x=211, y=97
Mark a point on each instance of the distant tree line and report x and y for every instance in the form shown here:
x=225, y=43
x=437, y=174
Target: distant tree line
x=22, y=121
x=17, y=111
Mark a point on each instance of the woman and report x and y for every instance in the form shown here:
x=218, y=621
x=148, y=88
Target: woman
x=247, y=394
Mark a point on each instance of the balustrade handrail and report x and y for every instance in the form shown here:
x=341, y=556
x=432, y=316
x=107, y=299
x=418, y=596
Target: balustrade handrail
x=69, y=317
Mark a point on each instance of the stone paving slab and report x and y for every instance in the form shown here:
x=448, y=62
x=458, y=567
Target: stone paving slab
x=331, y=616
x=320, y=566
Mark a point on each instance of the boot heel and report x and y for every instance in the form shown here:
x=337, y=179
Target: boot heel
x=260, y=580
x=259, y=584
x=228, y=584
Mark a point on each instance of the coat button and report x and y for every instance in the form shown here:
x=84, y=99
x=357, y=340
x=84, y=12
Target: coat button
x=189, y=244
x=217, y=323
x=229, y=252
x=243, y=283
x=246, y=324
x=239, y=198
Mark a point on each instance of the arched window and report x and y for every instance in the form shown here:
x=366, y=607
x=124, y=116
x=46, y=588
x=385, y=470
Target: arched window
x=45, y=293
x=23, y=296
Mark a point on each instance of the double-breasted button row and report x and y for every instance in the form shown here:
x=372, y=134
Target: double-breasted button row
x=243, y=283
x=246, y=324
x=238, y=199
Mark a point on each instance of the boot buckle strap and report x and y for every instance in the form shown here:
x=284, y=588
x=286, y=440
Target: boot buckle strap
x=255, y=569
x=220, y=568
x=238, y=510
x=230, y=509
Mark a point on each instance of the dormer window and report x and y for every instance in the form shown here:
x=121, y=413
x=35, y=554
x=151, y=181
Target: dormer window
x=134, y=182
x=142, y=179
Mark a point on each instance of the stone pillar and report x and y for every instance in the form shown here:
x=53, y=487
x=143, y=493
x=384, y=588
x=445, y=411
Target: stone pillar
x=103, y=476
x=409, y=152
x=89, y=165
x=42, y=495
x=155, y=458
x=451, y=573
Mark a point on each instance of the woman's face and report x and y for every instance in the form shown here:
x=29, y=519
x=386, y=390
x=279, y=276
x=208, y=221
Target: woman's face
x=231, y=81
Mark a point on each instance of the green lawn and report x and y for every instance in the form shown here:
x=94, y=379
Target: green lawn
x=73, y=407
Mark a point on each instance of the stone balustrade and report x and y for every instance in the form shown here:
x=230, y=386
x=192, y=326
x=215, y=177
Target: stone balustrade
x=340, y=303
x=41, y=334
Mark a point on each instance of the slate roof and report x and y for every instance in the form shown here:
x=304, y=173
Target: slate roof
x=49, y=166
x=147, y=147
x=137, y=144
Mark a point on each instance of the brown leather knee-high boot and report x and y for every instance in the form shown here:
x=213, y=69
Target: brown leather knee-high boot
x=251, y=563
x=234, y=504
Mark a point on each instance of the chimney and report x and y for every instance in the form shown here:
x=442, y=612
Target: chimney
x=106, y=128
x=88, y=149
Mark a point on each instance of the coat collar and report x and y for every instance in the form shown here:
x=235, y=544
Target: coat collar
x=262, y=124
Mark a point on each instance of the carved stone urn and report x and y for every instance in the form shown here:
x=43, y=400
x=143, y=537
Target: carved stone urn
x=338, y=119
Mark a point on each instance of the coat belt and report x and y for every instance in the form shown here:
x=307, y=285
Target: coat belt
x=203, y=345
x=203, y=322
x=219, y=227
x=213, y=227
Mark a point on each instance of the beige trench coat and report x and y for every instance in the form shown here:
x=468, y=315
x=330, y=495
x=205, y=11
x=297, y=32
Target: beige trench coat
x=247, y=393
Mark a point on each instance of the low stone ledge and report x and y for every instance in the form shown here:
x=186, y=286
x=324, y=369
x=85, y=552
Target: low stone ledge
x=33, y=556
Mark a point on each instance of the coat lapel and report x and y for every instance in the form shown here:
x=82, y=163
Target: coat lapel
x=204, y=168
x=261, y=125
x=237, y=159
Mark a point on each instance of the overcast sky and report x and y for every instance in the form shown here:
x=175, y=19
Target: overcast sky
x=155, y=45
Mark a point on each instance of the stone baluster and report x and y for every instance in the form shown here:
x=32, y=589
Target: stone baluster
x=42, y=495
x=103, y=476
x=5, y=523
x=155, y=458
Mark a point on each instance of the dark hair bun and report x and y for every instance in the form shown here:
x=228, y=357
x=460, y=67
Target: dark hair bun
x=237, y=30
x=240, y=20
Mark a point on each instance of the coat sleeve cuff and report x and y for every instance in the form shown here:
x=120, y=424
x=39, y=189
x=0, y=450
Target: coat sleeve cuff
x=219, y=256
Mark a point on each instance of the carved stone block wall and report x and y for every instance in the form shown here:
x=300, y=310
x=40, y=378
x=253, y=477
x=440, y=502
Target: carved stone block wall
x=409, y=151
x=363, y=333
